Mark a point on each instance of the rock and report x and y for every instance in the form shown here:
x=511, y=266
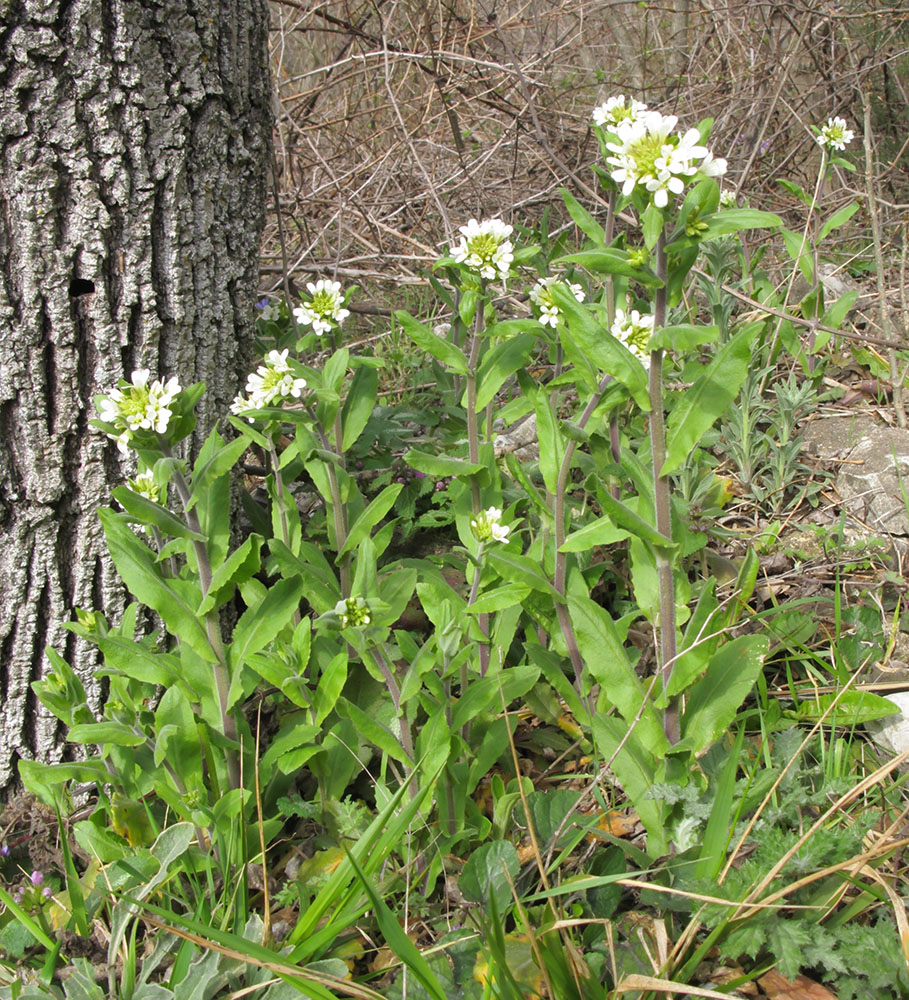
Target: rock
x=874, y=485
x=892, y=733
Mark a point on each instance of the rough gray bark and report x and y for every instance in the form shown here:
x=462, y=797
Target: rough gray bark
x=134, y=139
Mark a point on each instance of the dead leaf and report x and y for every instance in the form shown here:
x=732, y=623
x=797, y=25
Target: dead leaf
x=778, y=987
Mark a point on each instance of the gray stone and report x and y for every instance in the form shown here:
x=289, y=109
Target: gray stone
x=874, y=485
x=892, y=733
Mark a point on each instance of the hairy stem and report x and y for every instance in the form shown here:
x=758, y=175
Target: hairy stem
x=473, y=452
x=666, y=627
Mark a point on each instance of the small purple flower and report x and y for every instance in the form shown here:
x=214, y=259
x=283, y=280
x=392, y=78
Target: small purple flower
x=418, y=475
x=4, y=849
x=37, y=877
x=47, y=892
x=262, y=304
x=18, y=894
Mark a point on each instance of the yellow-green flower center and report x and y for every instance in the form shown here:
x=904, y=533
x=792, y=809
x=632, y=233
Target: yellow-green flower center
x=484, y=246
x=323, y=303
x=646, y=151
x=134, y=402
x=639, y=337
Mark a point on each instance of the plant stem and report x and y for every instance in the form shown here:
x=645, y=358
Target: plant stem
x=666, y=626
x=212, y=623
x=561, y=558
x=473, y=453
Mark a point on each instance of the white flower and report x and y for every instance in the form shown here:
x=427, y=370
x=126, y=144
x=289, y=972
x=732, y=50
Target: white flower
x=648, y=153
x=137, y=406
x=325, y=307
x=486, y=248
x=612, y=113
x=353, y=612
x=269, y=383
x=541, y=297
x=634, y=331
x=728, y=198
x=487, y=526
x=144, y=484
x=835, y=134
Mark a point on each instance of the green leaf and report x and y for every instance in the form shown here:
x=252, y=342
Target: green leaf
x=598, y=343
x=520, y=569
x=105, y=732
x=125, y=656
x=612, y=261
x=835, y=315
x=45, y=781
x=503, y=360
x=499, y=599
x=441, y=465
x=214, y=462
x=683, y=337
x=713, y=702
x=653, y=222
x=373, y=730
x=583, y=219
x=708, y=398
x=241, y=564
x=603, y=531
x=838, y=219
x=370, y=517
x=259, y=624
x=549, y=441
x=733, y=220
x=358, y=407
x=174, y=600
x=632, y=522
x=148, y=512
x=853, y=708
x=331, y=684
x=799, y=249
x=605, y=657
x=635, y=769
x=490, y=872
x=548, y=810
x=442, y=350
x=178, y=738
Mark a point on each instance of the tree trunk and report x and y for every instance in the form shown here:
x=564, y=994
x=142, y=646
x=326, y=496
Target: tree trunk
x=134, y=143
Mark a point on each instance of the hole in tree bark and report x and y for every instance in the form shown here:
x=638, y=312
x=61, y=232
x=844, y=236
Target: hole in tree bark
x=80, y=286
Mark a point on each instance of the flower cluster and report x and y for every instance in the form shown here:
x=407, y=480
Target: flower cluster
x=634, y=331
x=728, y=198
x=617, y=111
x=270, y=383
x=485, y=247
x=541, y=297
x=32, y=892
x=325, y=307
x=835, y=134
x=137, y=406
x=649, y=154
x=487, y=526
x=144, y=484
x=353, y=612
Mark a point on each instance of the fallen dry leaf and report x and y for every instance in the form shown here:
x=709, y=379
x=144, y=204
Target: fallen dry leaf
x=778, y=987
